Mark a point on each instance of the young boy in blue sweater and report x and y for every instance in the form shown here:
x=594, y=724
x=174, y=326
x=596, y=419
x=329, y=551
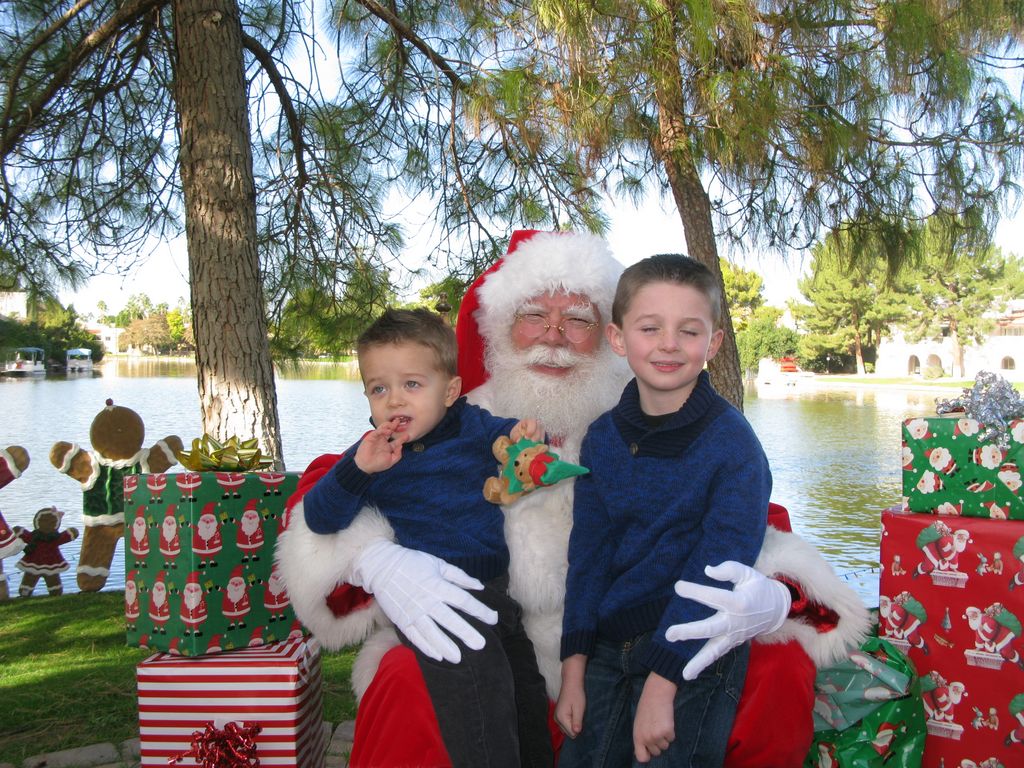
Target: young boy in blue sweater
x=677, y=481
x=423, y=467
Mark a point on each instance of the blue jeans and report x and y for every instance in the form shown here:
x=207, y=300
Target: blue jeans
x=704, y=710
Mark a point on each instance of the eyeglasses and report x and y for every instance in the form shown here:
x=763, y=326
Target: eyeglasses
x=575, y=329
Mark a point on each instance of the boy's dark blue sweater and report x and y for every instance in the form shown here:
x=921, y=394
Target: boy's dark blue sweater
x=433, y=497
x=658, y=505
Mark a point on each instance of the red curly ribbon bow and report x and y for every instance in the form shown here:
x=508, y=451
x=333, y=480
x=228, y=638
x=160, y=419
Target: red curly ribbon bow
x=232, y=746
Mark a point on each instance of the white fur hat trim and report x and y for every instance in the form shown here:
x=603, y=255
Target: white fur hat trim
x=548, y=262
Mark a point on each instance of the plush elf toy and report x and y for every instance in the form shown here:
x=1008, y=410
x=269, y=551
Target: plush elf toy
x=117, y=435
x=13, y=461
x=525, y=466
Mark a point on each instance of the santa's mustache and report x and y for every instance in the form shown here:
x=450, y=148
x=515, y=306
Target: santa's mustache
x=553, y=357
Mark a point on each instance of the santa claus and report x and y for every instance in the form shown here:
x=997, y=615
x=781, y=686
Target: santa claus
x=235, y=606
x=207, y=541
x=193, y=605
x=132, y=609
x=275, y=597
x=159, y=608
x=139, y=542
x=250, y=532
x=170, y=541
x=814, y=618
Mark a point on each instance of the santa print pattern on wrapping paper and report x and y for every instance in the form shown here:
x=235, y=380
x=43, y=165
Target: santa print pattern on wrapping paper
x=200, y=575
x=951, y=597
x=948, y=471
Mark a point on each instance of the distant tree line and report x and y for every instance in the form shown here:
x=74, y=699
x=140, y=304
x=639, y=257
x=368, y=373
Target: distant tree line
x=850, y=304
x=151, y=328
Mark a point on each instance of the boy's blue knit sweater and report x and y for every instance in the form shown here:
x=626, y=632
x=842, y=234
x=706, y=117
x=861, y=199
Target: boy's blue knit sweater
x=658, y=505
x=433, y=497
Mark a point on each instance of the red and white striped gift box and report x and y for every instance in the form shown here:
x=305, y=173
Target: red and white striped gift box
x=276, y=686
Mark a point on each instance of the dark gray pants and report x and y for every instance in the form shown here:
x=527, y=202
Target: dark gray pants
x=492, y=707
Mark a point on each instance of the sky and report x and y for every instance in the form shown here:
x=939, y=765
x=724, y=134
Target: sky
x=635, y=233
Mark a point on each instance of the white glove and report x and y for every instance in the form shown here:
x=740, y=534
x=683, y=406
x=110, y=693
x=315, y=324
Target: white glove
x=418, y=592
x=755, y=605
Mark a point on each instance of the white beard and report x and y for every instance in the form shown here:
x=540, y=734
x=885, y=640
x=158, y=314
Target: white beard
x=565, y=405
x=537, y=526
x=193, y=598
x=250, y=523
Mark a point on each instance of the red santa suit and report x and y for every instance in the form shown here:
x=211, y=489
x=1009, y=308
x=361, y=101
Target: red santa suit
x=207, y=541
x=395, y=723
x=139, y=541
x=170, y=540
x=132, y=609
x=187, y=483
x=235, y=605
x=250, y=532
x=159, y=608
x=156, y=484
x=275, y=596
x=193, y=605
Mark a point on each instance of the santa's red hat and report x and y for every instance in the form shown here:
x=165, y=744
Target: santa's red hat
x=193, y=578
x=214, y=644
x=250, y=505
x=131, y=575
x=160, y=577
x=237, y=572
x=536, y=263
x=209, y=508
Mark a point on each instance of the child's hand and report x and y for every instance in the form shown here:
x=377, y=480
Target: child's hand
x=381, y=449
x=572, y=699
x=654, y=727
x=528, y=428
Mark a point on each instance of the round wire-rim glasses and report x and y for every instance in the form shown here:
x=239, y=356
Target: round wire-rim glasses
x=575, y=329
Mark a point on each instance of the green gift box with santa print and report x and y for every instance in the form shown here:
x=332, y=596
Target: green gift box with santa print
x=199, y=561
x=948, y=469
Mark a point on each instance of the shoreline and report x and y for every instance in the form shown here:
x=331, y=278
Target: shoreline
x=805, y=382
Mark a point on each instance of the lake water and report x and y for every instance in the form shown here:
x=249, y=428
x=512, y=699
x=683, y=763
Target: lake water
x=835, y=454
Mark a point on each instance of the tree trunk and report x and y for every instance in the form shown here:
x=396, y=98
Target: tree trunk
x=858, y=347
x=235, y=372
x=672, y=147
x=958, y=368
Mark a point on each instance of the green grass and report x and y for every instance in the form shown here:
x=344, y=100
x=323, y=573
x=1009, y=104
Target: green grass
x=67, y=679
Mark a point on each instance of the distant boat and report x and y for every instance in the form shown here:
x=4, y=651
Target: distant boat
x=78, y=360
x=25, y=361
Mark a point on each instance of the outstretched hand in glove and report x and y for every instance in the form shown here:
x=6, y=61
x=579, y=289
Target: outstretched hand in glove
x=422, y=595
x=755, y=605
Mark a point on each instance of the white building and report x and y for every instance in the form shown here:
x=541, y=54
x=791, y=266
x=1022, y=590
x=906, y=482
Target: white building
x=1002, y=352
x=109, y=335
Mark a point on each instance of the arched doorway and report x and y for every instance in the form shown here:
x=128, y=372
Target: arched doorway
x=914, y=366
x=1007, y=364
x=934, y=366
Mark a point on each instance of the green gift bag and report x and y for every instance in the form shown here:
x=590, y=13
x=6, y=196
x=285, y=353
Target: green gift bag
x=868, y=711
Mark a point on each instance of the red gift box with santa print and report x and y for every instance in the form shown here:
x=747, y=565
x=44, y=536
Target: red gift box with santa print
x=199, y=560
x=185, y=701
x=951, y=595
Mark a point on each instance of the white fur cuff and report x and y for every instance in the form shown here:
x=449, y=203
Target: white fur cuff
x=789, y=556
x=313, y=565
